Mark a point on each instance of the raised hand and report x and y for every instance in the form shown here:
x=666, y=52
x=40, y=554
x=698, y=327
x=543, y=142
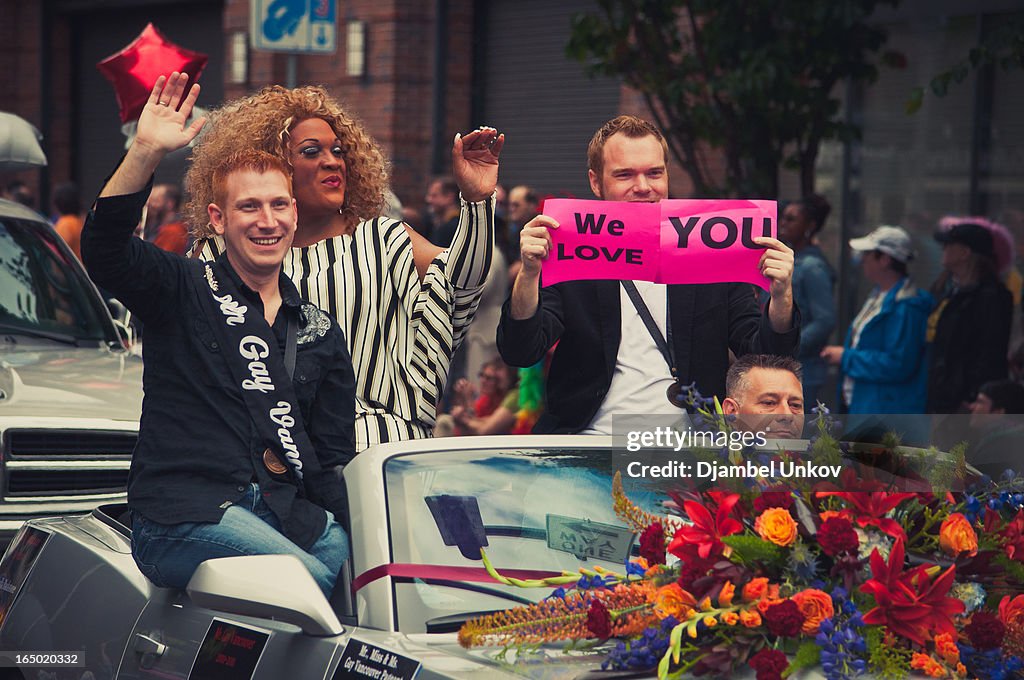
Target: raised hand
x=161, y=129
x=475, y=162
x=161, y=126
x=777, y=264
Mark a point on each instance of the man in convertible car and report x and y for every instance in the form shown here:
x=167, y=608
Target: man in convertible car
x=249, y=391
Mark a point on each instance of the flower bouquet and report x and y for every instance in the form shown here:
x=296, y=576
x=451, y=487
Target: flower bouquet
x=854, y=579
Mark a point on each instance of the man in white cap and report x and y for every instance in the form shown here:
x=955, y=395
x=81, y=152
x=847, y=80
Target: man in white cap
x=884, y=358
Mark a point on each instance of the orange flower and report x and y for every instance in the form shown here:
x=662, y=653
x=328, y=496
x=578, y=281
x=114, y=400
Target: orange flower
x=770, y=597
x=672, y=600
x=930, y=666
x=710, y=621
x=776, y=525
x=755, y=589
x=816, y=606
x=730, y=618
x=829, y=514
x=956, y=535
x=767, y=602
x=1011, y=612
x=946, y=648
x=750, y=618
x=726, y=594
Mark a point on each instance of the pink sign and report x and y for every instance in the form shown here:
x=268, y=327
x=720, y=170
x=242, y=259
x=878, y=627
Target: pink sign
x=673, y=241
x=602, y=240
x=711, y=241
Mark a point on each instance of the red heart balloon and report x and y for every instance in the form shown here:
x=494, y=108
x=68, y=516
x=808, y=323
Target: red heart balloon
x=133, y=70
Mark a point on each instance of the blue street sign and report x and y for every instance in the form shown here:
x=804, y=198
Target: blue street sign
x=300, y=26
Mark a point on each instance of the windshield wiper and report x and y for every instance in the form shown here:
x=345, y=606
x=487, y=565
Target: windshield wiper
x=38, y=333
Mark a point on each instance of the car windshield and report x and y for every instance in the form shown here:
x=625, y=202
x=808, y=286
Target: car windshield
x=537, y=510
x=42, y=291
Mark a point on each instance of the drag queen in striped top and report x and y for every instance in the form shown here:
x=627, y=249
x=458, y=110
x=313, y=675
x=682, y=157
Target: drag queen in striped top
x=403, y=303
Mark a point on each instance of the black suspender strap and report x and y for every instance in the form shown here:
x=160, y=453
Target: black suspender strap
x=666, y=348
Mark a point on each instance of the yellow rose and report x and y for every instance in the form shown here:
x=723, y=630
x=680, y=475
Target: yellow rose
x=776, y=525
x=956, y=535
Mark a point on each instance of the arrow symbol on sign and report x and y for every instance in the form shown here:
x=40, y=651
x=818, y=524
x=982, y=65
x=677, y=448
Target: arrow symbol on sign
x=586, y=527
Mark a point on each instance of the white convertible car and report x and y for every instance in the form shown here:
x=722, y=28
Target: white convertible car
x=73, y=602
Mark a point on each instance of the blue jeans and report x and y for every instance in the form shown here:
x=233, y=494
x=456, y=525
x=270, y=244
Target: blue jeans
x=168, y=554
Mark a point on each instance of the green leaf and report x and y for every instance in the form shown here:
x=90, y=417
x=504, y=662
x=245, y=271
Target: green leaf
x=915, y=101
x=663, y=665
x=1012, y=567
x=676, y=642
x=807, y=656
x=940, y=84
x=750, y=549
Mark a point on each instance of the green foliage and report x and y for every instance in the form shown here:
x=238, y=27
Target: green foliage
x=807, y=656
x=1002, y=48
x=886, y=661
x=1013, y=568
x=754, y=80
x=752, y=549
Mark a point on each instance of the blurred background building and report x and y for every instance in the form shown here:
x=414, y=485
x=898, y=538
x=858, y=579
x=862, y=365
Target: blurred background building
x=417, y=71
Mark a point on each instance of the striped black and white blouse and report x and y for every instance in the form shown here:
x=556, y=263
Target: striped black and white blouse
x=401, y=331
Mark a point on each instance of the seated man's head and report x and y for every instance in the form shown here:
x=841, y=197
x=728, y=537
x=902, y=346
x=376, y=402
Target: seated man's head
x=254, y=211
x=627, y=160
x=995, y=398
x=765, y=394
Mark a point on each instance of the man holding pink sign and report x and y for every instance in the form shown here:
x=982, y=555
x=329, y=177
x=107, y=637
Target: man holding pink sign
x=627, y=346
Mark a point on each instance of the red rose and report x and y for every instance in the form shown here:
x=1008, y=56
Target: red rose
x=599, y=621
x=652, y=544
x=784, y=619
x=985, y=631
x=836, y=535
x=773, y=499
x=769, y=664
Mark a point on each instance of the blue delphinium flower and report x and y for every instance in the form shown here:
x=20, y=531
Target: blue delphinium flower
x=634, y=569
x=556, y=594
x=990, y=664
x=644, y=651
x=842, y=646
x=972, y=508
x=589, y=582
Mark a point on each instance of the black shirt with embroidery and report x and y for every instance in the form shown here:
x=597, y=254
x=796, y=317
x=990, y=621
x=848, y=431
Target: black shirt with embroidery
x=198, y=447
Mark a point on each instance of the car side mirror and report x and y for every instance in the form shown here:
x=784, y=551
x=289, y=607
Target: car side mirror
x=126, y=334
x=265, y=586
x=122, y=317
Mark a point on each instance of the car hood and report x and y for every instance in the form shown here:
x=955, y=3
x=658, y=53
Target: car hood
x=70, y=382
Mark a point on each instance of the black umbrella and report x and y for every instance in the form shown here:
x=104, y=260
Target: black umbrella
x=19, y=144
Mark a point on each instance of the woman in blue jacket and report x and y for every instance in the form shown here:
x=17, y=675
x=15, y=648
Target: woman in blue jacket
x=884, y=362
x=813, y=281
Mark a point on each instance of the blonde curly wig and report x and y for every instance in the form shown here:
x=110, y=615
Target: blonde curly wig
x=264, y=120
